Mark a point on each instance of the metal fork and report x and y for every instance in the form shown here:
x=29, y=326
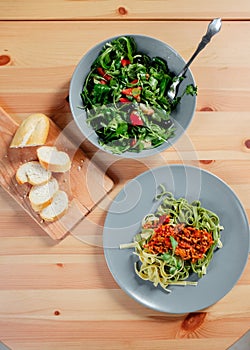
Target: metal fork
x=213, y=28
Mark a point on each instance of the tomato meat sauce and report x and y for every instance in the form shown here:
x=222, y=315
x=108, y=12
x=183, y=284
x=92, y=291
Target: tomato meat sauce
x=192, y=243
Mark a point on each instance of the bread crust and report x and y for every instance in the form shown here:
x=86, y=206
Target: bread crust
x=47, y=191
x=32, y=172
x=33, y=131
x=52, y=212
x=54, y=160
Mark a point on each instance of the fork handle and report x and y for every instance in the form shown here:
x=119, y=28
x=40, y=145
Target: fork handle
x=213, y=28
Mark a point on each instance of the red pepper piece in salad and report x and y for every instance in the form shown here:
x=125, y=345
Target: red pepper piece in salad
x=135, y=119
x=133, y=142
x=134, y=92
x=103, y=74
x=125, y=62
x=127, y=91
x=124, y=100
x=135, y=81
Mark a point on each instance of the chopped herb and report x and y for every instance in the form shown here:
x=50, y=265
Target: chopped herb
x=174, y=243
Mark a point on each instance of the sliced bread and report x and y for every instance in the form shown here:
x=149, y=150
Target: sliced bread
x=57, y=208
x=33, y=173
x=33, y=131
x=52, y=159
x=42, y=195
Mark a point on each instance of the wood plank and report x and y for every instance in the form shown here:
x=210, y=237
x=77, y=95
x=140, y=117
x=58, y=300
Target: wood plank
x=126, y=10
x=69, y=40
x=79, y=344
x=102, y=305
x=58, y=276
x=169, y=330
x=35, y=245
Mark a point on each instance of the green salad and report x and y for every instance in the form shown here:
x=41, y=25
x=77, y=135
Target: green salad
x=125, y=98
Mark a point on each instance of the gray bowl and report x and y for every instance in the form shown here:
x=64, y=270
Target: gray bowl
x=182, y=116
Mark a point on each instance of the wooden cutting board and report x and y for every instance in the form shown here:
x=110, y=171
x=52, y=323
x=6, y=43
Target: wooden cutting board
x=85, y=183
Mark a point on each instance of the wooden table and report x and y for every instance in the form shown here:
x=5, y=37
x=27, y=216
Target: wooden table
x=62, y=295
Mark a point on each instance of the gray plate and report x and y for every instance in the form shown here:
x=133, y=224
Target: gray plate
x=136, y=200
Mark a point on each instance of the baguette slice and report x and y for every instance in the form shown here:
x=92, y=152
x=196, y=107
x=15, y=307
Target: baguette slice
x=57, y=208
x=33, y=173
x=33, y=131
x=41, y=196
x=52, y=159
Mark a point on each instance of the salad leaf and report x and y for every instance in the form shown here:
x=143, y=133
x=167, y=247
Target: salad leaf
x=101, y=93
x=191, y=90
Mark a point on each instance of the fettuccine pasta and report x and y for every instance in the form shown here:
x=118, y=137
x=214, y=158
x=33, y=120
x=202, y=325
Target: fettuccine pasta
x=176, y=241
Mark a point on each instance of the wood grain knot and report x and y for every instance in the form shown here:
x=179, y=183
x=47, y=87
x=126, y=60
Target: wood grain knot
x=206, y=161
x=4, y=59
x=193, y=321
x=57, y=313
x=122, y=10
x=207, y=109
x=247, y=143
